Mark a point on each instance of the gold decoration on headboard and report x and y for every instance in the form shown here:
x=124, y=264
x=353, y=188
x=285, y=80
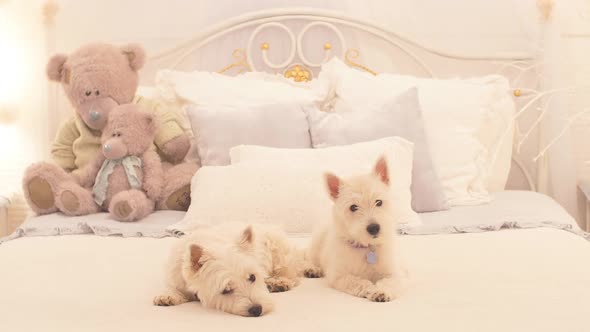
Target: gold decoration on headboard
x=240, y=62
x=298, y=73
x=351, y=55
x=517, y=93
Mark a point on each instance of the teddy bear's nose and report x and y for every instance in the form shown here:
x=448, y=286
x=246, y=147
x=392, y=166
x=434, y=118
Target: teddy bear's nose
x=107, y=148
x=94, y=115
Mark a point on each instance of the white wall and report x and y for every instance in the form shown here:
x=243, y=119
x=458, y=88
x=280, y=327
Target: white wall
x=475, y=26
x=22, y=60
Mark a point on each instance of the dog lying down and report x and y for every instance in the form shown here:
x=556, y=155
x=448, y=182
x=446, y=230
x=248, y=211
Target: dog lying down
x=232, y=268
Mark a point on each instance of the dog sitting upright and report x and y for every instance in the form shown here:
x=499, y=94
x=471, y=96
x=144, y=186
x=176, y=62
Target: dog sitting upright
x=232, y=268
x=356, y=251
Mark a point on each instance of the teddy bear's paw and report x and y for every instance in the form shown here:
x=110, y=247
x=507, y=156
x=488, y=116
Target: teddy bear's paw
x=70, y=201
x=74, y=200
x=122, y=210
x=130, y=205
x=180, y=199
x=40, y=194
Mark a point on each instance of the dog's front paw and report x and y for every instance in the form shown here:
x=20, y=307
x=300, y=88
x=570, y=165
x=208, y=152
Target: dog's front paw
x=279, y=284
x=378, y=295
x=168, y=300
x=313, y=272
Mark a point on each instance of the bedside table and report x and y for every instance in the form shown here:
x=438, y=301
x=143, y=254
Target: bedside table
x=584, y=203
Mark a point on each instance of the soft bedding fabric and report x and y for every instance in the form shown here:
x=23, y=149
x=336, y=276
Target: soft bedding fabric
x=513, y=280
x=101, y=224
x=508, y=210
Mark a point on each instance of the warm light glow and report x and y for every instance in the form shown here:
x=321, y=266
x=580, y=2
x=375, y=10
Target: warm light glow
x=12, y=61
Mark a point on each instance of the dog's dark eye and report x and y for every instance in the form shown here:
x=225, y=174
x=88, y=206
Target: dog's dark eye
x=227, y=291
x=97, y=93
x=252, y=278
x=88, y=93
x=378, y=202
x=354, y=207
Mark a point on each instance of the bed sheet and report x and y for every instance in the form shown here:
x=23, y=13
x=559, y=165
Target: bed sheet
x=509, y=280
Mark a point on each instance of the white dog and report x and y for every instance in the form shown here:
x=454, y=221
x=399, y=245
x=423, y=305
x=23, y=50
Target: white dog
x=356, y=251
x=232, y=268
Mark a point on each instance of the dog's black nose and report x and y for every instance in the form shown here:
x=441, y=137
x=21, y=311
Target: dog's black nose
x=373, y=229
x=255, y=310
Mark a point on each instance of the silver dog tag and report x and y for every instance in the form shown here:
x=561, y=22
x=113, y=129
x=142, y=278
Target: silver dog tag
x=371, y=257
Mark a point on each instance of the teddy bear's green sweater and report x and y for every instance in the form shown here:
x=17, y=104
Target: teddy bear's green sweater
x=76, y=144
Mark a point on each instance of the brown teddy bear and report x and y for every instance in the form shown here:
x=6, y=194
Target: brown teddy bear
x=126, y=178
x=96, y=78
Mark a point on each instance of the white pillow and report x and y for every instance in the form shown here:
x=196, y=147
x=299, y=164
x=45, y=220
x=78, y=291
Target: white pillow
x=250, y=88
x=463, y=120
x=289, y=188
x=218, y=128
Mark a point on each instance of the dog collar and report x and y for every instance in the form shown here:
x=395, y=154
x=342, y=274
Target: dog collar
x=357, y=245
x=371, y=256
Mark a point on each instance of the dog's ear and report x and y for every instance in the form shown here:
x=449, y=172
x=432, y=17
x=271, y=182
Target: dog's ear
x=381, y=170
x=246, y=239
x=333, y=183
x=196, y=255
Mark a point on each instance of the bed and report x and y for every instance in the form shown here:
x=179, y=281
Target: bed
x=532, y=275
x=517, y=263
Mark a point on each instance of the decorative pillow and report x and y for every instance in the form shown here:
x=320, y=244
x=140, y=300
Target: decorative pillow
x=218, y=128
x=463, y=119
x=200, y=87
x=287, y=188
x=400, y=116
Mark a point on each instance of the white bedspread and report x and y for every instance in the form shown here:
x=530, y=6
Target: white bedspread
x=509, y=280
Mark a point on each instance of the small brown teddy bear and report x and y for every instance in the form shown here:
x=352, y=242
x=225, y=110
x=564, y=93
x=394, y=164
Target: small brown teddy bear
x=127, y=177
x=96, y=78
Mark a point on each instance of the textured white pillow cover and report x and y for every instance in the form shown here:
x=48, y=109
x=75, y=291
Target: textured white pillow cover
x=292, y=193
x=463, y=121
x=209, y=88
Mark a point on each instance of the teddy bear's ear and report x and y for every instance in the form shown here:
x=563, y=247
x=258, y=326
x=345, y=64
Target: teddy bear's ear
x=135, y=54
x=150, y=121
x=55, y=68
